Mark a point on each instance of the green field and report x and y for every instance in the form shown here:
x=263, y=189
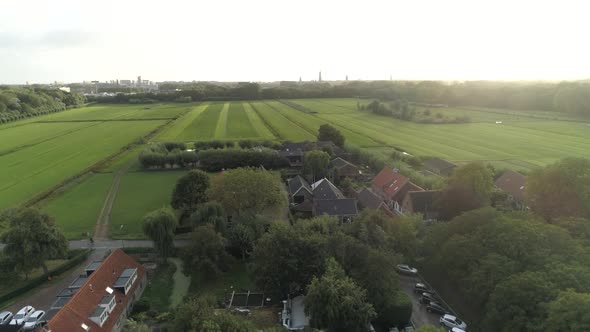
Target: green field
x=77, y=207
x=139, y=194
x=38, y=154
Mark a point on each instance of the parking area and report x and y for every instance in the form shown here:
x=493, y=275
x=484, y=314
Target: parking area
x=419, y=314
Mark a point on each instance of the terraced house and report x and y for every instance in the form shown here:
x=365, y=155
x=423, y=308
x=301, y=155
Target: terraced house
x=106, y=297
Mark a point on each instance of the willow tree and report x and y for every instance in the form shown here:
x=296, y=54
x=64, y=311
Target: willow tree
x=159, y=226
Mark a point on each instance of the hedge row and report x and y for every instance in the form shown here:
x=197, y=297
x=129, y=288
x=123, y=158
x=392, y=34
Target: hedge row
x=217, y=160
x=75, y=257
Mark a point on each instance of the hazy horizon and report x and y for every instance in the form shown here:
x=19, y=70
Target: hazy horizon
x=265, y=41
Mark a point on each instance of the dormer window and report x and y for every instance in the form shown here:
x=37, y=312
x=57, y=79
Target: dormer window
x=126, y=280
x=99, y=315
x=108, y=302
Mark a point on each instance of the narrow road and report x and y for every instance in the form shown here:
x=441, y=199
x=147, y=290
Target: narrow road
x=419, y=314
x=112, y=244
x=101, y=231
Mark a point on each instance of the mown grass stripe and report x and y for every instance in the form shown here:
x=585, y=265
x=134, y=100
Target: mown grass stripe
x=221, y=127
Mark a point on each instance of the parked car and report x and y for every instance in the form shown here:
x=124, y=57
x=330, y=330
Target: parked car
x=436, y=308
x=5, y=317
x=21, y=315
x=451, y=321
x=393, y=329
x=405, y=269
x=33, y=320
x=456, y=329
x=428, y=297
x=420, y=288
x=408, y=328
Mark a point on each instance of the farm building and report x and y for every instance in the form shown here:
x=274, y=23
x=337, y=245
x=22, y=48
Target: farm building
x=423, y=202
x=513, y=183
x=105, y=298
x=345, y=209
x=342, y=169
x=392, y=187
x=440, y=166
x=324, y=189
x=299, y=190
x=369, y=200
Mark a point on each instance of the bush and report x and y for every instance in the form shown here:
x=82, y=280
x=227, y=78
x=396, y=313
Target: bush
x=217, y=160
x=141, y=306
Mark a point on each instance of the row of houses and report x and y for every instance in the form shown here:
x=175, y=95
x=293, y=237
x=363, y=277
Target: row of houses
x=389, y=191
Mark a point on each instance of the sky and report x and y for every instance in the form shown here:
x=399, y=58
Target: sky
x=235, y=40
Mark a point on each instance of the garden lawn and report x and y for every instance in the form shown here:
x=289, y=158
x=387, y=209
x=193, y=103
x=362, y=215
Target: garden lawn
x=139, y=194
x=182, y=283
x=159, y=289
x=238, y=279
x=35, y=169
x=77, y=207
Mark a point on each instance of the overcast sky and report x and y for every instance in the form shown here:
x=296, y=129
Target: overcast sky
x=251, y=40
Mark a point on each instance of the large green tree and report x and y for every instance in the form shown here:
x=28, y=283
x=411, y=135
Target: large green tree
x=190, y=191
x=330, y=133
x=32, y=239
x=207, y=252
x=335, y=302
x=160, y=226
x=247, y=190
x=560, y=190
x=569, y=312
x=316, y=164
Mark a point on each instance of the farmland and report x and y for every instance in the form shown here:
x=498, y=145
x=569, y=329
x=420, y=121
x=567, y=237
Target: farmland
x=40, y=153
x=140, y=193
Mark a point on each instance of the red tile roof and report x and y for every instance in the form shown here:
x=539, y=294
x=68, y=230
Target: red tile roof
x=83, y=303
x=389, y=182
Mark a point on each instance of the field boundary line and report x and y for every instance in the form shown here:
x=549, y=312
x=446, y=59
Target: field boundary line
x=258, y=126
x=266, y=123
x=293, y=122
x=22, y=147
x=103, y=220
x=221, y=127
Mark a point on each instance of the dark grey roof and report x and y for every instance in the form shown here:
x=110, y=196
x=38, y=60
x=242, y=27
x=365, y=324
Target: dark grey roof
x=368, y=199
x=78, y=282
x=67, y=292
x=424, y=201
x=339, y=163
x=296, y=183
x=93, y=266
x=49, y=314
x=291, y=153
x=107, y=299
x=97, y=312
x=324, y=189
x=60, y=302
x=336, y=207
x=439, y=164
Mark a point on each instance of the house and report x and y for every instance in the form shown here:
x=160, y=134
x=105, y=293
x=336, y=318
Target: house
x=342, y=169
x=294, y=156
x=423, y=202
x=392, y=187
x=324, y=189
x=367, y=199
x=105, y=297
x=299, y=190
x=293, y=316
x=345, y=209
x=513, y=183
x=440, y=166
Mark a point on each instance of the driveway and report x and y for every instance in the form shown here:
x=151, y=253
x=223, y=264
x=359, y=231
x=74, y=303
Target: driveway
x=419, y=314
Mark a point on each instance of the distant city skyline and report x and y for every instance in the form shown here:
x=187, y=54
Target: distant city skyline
x=265, y=41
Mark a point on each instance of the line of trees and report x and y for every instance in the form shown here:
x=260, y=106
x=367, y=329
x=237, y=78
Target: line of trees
x=167, y=155
x=19, y=102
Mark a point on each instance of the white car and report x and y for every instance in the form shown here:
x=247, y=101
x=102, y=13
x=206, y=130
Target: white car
x=403, y=268
x=5, y=317
x=22, y=315
x=451, y=321
x=33, y=320
x=456, y=329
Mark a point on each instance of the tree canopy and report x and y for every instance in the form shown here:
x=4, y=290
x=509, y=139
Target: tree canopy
x=159, y=226
x=335, y=302
x=316, y=164
x=190, y=191
x=247, y=190
x=32, y=239
x=330, y=133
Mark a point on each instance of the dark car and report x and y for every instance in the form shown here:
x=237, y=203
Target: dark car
x=421, y=288
x=435, y=307
x=428, y=297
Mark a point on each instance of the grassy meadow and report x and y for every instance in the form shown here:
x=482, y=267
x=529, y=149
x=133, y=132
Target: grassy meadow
x=139, y=194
